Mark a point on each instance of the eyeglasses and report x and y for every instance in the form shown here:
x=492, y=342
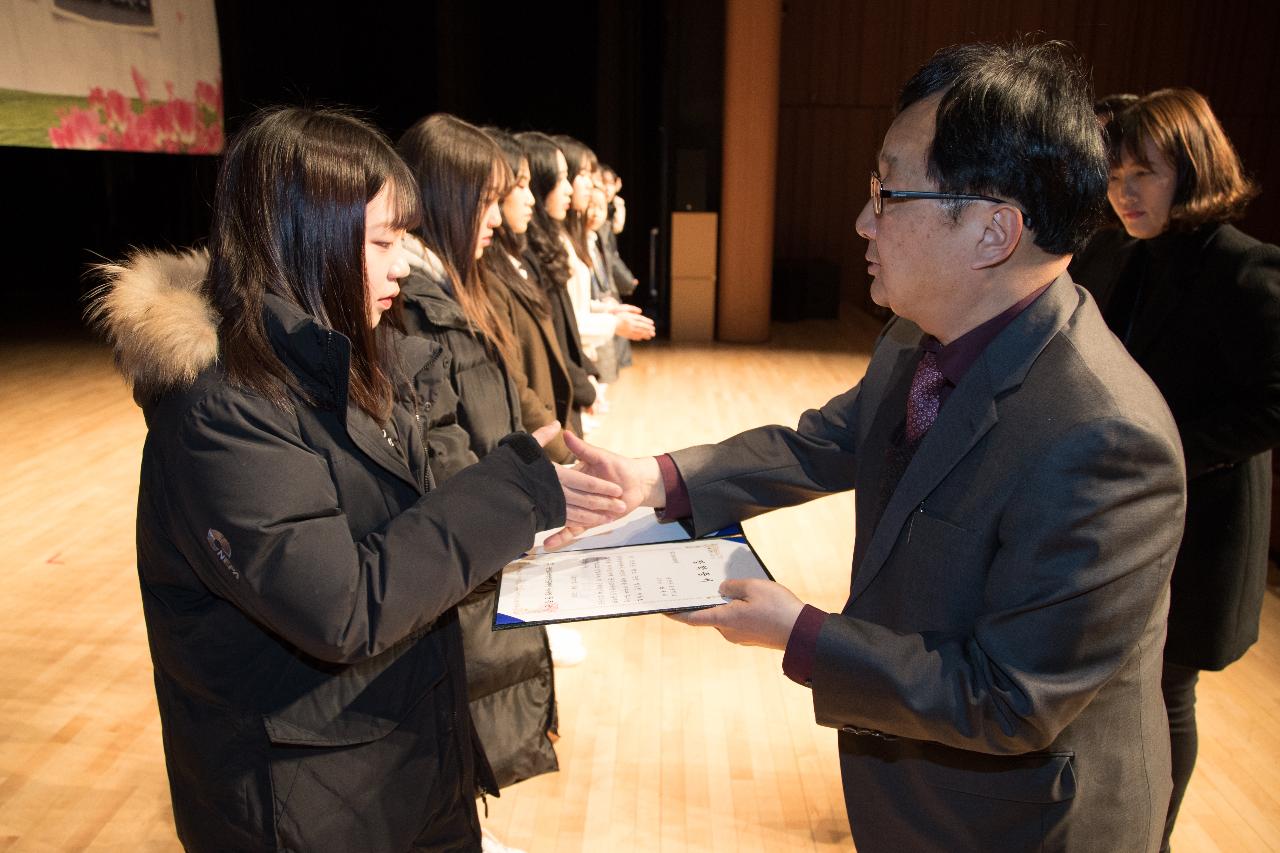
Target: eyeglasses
x=879, y=194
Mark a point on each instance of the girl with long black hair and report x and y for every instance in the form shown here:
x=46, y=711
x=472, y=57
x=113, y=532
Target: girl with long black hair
x=513, y=284
x=548, y=260
x=463, y=176
x=599, y=320
x=299, y=562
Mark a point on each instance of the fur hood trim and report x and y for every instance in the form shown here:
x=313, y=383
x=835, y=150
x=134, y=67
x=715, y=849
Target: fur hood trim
x=152, y=310
x=422, y=258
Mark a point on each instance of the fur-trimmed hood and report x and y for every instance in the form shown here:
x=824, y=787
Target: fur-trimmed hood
x=151, y=308
x=426, y=292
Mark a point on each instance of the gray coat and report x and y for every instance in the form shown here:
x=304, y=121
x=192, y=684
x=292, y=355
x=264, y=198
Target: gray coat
x=299, y=576
x=995, y=674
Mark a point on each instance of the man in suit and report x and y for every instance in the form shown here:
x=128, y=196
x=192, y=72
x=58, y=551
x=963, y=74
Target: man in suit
x=995, y=673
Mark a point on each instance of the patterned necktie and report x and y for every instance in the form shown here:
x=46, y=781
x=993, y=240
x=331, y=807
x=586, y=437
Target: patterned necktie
x=924, y=399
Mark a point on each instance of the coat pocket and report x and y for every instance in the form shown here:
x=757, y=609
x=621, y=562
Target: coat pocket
x=1041, y=778
x=326, y=706
x=376, y=796
x=941, y=561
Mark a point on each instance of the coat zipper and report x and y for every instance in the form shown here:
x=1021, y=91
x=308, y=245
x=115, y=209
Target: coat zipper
x=419, y=407
x=426, y=448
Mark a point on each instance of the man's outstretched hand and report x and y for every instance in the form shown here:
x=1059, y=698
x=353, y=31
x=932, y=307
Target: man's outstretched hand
x=637, y=480
x=589, y=500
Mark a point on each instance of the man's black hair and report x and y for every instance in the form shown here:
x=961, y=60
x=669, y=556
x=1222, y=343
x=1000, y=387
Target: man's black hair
x=1111, y=105
x=1017, y=122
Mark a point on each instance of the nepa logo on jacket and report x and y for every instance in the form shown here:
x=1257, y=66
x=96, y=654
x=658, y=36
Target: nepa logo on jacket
x=222, y=550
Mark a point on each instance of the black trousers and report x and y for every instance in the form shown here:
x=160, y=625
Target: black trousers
x=1179, y=686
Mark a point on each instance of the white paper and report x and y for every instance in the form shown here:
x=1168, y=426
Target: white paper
x=566, y=585
x=638, y=527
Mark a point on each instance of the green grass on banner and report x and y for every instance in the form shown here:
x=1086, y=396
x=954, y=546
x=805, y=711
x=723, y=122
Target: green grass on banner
x=25, y=117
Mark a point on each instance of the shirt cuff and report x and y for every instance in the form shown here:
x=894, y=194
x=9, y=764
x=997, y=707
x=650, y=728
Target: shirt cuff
x=678, y=505
x=802, y=646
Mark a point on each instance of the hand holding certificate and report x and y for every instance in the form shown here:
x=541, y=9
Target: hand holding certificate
x=624, y=574
x=625, y=577
x=758, y=613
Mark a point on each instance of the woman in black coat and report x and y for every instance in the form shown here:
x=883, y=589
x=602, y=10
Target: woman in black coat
x=1197, y=303
x=299, y=563
x=462, y=176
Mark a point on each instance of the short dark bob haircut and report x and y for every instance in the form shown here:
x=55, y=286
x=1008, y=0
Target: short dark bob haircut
x=1016, y=122
x=1108, y=106
x=1212, y=186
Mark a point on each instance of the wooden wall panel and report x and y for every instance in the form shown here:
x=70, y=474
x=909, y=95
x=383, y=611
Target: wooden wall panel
x=752, y=60
x=843, y=62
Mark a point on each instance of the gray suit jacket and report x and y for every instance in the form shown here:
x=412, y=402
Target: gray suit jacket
x=995, y=674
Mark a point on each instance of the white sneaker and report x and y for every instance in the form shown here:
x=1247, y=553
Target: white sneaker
x=490, y=844
x=566, y=646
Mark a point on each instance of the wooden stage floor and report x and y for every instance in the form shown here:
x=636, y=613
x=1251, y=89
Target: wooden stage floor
x=672, y=739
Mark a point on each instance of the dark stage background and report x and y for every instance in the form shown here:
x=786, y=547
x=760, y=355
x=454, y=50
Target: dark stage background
x=391, y=63
x=639, y=81
x=843, y=63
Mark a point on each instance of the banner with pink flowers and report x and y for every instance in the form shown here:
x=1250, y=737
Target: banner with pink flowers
x=124, y=75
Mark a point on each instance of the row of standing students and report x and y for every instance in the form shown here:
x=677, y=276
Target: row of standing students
x=508, y=277
x=336, y=468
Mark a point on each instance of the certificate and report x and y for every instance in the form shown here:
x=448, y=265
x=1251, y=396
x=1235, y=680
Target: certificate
x=627, y=580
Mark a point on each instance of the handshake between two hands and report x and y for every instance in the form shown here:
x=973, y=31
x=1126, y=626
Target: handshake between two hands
x=602, y=486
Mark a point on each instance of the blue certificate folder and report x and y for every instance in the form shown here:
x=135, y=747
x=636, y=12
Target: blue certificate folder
x=641, y=534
